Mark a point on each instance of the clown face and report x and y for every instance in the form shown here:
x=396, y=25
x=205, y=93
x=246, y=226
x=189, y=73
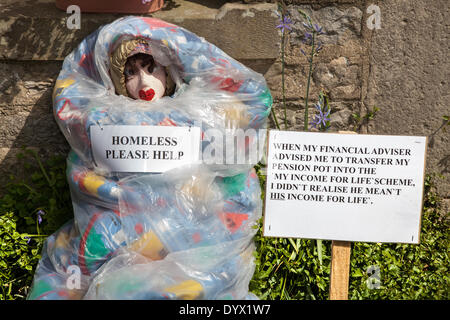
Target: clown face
x=144, y=77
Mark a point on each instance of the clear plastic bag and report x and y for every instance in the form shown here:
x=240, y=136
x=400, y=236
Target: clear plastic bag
x=185, y=233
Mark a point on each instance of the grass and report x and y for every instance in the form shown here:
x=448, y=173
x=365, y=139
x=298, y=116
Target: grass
x=297, y=269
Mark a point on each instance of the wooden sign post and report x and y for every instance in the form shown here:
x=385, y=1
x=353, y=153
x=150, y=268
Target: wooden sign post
x=344, y=187
x=340, y=270
x=340, y=264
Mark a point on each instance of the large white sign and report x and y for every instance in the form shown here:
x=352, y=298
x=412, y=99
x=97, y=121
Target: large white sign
x=345, y=187
x=121, y=148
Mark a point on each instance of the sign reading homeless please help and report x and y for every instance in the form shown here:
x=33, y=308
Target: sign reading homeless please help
x=344, y=187
x=122, y=148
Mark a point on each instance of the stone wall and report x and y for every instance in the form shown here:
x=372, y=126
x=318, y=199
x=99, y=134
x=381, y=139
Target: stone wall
x=35, y=39
x=402, y=68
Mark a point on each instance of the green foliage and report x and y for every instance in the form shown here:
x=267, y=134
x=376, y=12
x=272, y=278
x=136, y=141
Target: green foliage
x=359, y=121
x=45, y=189
x=408, y=271
x=18, y=259
x=290, y=269
x=285, y=268
x=300, y=268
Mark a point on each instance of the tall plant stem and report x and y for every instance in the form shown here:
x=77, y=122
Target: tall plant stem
x=305, y=126
x=282, y=78
x=36, y=156
x=275, y=118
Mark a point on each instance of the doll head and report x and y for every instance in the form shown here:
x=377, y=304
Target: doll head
x=144, y=78
x=136, y=74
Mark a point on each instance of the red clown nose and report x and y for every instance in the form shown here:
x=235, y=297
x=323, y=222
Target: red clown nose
x=146, y=94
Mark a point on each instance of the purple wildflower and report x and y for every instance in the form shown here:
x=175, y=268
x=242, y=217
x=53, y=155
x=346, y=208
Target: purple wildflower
x=313, y=28
x=318, y=29
x=284, y=24
x=307, y=39
x=319, y=46
x=321, y=118
x=29, y=239
x=39, y=214
x=308, y=25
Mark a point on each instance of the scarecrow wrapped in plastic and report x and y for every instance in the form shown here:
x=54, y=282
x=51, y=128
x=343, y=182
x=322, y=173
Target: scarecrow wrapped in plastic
x=185, y=233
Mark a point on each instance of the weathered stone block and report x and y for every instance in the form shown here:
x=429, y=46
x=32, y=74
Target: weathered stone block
x=339, y=24
x=408, y=77
x=37, y=30
x=25, y=84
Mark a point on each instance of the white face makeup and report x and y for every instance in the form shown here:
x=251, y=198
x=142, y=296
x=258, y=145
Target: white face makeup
x=145, y=78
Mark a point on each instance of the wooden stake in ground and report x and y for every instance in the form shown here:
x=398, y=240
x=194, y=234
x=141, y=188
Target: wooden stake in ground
x=340, y=264
x=340, y=270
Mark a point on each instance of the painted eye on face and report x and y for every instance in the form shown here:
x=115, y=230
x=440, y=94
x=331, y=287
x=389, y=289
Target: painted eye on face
x=129, y=72
x=148, y=64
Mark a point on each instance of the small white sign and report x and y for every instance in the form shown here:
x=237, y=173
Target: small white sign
x=344, y=187
x=122, y=148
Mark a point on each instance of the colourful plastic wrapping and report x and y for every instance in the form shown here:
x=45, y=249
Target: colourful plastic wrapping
x=185, y=233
